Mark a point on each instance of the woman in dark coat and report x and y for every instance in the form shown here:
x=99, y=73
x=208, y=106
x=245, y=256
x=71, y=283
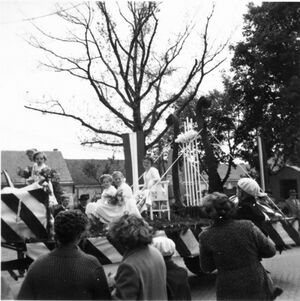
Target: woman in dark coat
x=235, y=249
x=142, y=273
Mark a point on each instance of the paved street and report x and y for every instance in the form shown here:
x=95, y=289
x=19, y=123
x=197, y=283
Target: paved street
x=284, y=268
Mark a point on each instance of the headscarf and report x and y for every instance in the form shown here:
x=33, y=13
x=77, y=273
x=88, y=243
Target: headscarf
x=251, y=187
x=165, y=245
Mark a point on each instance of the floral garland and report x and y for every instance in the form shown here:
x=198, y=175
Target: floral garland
x=186, y=137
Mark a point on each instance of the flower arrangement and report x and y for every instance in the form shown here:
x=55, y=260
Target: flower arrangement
x=140, y=199
x=24, y=173
x=50, y=174
x=186, y=137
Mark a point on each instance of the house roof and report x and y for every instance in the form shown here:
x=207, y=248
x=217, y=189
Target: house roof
x=11, y=160
x=76, y=167
x=236, y=172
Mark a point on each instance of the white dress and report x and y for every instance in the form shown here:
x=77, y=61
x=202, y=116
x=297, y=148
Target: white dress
x=129, y=200
x=151, y=177
x=106, y=211
x=36, y=177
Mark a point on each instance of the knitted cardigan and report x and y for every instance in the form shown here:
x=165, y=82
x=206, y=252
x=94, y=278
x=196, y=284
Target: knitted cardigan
x=66, y=273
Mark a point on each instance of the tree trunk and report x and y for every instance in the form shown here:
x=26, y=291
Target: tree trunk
x=173, y=120
x=214, y=180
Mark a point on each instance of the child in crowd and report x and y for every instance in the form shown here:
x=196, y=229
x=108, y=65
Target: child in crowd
x=177, y=277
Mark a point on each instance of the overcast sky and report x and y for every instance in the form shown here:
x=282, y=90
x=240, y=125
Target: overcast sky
x=22, y=78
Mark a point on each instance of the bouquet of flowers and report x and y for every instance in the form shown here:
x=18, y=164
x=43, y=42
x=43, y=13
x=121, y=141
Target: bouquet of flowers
x=24, y=173
x=112, y=199
x=50, y=174
x=140, y=199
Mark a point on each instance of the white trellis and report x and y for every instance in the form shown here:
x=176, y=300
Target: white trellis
x=193, y=179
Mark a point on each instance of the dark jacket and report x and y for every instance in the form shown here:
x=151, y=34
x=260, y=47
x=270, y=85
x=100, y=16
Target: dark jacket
x=234, y=248
x=57, y=209
x=65, y=274
x=81, y=208
x=141, y=276
x=177, y=282
x=249, y=210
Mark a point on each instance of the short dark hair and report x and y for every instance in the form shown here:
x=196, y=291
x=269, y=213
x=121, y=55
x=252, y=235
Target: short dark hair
x=131, y=231
x=68, y=225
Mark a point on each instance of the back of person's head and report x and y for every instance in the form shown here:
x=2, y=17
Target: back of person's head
x=165, y=246
x=218, y=206
x=251, y=187
x=131, y=231
x=69, y=226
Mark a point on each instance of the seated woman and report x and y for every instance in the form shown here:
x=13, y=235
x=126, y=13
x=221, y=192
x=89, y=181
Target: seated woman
x=151, y=178
x=124, y=193
x=108, y=207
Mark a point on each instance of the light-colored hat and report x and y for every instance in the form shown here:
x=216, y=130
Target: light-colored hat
x=251, y=187
x=165, y=245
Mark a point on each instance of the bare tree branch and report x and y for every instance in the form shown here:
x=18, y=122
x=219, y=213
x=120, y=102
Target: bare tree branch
x=83, y=123
x=126, y=70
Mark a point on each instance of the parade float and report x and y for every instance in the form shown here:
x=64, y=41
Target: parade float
x=27, y=224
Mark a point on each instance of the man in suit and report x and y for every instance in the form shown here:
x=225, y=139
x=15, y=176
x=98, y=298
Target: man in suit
x=83, y=200
x=65, y=200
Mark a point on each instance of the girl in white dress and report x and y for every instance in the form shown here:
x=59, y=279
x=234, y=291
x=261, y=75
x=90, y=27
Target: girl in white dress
x=124, y=194
x=39, y=165
x=108, y=207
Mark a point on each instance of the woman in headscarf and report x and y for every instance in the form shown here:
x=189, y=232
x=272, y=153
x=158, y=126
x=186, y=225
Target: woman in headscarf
x=235, y=249
x=247, y=192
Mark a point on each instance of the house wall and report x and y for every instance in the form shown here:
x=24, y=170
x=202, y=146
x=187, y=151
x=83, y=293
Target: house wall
x=283, y=181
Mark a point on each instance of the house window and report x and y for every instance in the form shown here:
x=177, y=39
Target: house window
x=285, y=186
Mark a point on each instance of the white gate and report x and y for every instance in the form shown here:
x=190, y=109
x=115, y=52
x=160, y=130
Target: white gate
x=194, y=182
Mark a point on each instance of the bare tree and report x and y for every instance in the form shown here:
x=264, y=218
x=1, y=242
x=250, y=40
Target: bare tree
x=128, y=75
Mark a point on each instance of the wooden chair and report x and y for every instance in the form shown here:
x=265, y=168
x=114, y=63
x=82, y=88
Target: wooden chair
x=160, y=199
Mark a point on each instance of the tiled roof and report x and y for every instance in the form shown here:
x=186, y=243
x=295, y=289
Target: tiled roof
x=11, y=160
x=76, y=167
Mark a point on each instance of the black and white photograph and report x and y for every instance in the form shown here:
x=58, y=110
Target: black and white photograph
x=150, y=150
